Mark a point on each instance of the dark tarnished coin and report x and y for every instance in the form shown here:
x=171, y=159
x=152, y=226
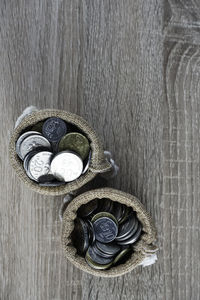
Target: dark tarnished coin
x=122, y=256
x=133, y=238
x=109, y=249
x=126, y=212
x=46, y=178
x=105, y=229
x=80, y=236
x=96, y=266
x=76, y=142
x=97, y=258
x=54, y=129
x=117, y=211
x=105, y=204
x=126, y=227
x=100, y=253
x=91, y=232
x=87, y=209
x=20, y=140
x=38, y=127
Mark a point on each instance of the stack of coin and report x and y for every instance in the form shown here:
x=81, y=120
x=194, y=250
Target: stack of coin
x=104, y=232
x=54, y=152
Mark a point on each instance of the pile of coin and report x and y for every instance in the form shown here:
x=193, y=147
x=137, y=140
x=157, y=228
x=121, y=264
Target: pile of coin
x=104, y=232
x=54, y=152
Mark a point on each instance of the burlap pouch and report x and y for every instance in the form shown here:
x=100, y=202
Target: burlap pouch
x=142, y=248
x=98, y=164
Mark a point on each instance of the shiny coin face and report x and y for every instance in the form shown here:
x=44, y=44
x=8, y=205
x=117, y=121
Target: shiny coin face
x=122, y=256
x=97, y=258
x=33, y=142
x=100, y=253
x=109, y=249
x=135, y=236
x=40, y=164
x=80, y=236
x=96, y=266
x=105, y=229
x=75, y=142
x=54, y=129
x=20, y=140
x=26, y=162
x=66, y=166
x=87, y=209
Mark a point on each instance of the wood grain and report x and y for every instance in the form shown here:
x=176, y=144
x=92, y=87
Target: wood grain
x=131, y=68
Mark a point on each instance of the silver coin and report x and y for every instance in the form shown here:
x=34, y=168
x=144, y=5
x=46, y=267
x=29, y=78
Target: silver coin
x=109, y=249
x=26, y=162
x=133, y=238
x=88, y=163
x=131, y=232
x=33, y=142
x=21, y=138
x=126, y=227
x=66, y=166
x=39, y=164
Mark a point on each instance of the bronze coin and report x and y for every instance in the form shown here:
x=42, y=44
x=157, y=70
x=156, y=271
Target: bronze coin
x=76, y=142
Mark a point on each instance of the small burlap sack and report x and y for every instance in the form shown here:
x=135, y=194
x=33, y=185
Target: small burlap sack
x=98, y=164
x=141, y=248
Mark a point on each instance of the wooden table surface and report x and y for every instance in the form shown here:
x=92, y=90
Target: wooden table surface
x=131, y=68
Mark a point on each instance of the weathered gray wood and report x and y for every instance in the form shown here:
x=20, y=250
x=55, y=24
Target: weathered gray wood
x=132, y=69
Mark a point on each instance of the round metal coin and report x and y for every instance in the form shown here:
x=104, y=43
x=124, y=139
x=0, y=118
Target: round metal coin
x=117, y=211
x=96, y=266
x=80, y=236
x=103, y=214
x=105, y=229
x=76, y=142
x=66, y=166
x=54, y=129
x=122, y=256
x=46, y=178
x=20, y=140
x=126, y=227
x=33, y=142
x=97, y=258
x=110, y=249
x=39, y=164
x=87, y=164
x=87, y=209
x=133, y=238
x=100, y=253
x=53, y=183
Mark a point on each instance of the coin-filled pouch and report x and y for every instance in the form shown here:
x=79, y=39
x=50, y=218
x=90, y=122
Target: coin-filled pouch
x=107, y=232
x=55, y=152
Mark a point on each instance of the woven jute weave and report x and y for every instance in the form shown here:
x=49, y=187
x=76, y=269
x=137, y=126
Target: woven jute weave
x=98, y=163
x=143, y=245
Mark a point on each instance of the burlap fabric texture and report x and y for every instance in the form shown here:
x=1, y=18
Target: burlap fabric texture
x=140, y=248
x=98, y=164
